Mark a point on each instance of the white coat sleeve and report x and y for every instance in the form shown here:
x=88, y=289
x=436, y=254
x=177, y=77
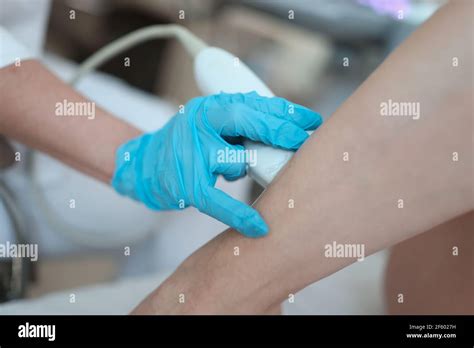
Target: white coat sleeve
x=11, y=50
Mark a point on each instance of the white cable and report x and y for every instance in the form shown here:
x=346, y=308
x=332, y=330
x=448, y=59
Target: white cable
x=193, y=46
x=191, y=42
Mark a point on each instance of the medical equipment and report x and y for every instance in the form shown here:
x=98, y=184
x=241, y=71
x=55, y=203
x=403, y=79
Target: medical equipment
x=15, y=272
x=215, y=70
x=178, y=165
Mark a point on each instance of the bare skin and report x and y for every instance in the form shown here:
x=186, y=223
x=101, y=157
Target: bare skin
x=28, y=97
x=434, y=271
x=354, y=201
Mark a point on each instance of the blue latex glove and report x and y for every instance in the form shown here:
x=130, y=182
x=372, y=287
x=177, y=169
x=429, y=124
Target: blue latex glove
x=177, y=166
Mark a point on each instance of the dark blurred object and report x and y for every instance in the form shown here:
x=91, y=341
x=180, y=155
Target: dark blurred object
x=99, y=22
x=15, y=273
x=172, y=9
x=13, y=279
x=341, y=19
x=7, y=154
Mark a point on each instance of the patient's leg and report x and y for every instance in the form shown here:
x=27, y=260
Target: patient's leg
x=434, y=271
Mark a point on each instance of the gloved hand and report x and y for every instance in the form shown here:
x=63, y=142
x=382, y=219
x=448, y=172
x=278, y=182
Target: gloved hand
x=177, y=166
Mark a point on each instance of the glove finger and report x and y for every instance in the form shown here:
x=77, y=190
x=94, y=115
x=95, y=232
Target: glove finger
x=231, y=162
x=233, y=213
x=268, y=129
x=222, y=103
x=282, y=108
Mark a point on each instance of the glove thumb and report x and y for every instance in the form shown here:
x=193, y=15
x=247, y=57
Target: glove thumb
x=233, y=213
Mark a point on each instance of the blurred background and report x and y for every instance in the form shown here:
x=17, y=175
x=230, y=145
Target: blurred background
x=313, y=52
